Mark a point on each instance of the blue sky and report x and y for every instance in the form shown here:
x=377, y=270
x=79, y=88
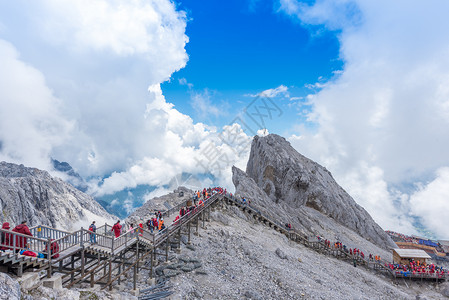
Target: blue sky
x=135, y=94
x=237, y=48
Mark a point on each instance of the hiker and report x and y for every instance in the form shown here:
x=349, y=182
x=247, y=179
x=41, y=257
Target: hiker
x=93, y=236
x=140, y=228
x=5, y=237
x=131, y=229
x=176, y=220
x=161, y=223
x=117, y=228
x=150, y=225
x=155, y=223
x=21, y=242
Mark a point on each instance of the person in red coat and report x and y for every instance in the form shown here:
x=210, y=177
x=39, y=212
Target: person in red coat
x=21, y=242
x=54, y=248
x=5, y=237
x=117, y=228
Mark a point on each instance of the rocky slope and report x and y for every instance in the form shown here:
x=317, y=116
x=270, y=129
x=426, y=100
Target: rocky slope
x=161, y=203
x=286, y=184
x=33, y=195
x=244, y=259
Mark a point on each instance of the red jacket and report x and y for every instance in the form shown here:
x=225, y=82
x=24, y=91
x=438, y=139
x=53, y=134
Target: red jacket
x=54, y=248
x=5, y=237
x=117, y=228
x=21, y=241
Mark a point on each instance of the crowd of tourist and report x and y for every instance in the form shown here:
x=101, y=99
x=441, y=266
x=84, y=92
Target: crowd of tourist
x=418, y=268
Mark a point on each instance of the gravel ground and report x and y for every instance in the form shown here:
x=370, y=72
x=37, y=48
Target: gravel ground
x=247, y=260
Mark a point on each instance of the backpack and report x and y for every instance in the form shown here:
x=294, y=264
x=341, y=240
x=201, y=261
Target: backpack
x=91, y=228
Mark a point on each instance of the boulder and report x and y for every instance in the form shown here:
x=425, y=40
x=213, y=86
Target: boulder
x=280, y=253
x=29, y=281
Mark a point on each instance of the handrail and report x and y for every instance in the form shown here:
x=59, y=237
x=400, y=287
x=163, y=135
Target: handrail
x=19, y=241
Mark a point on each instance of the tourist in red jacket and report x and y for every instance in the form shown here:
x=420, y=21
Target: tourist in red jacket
x=117, y=228
x=21, y=242
x=5, y=237
x=54, y=248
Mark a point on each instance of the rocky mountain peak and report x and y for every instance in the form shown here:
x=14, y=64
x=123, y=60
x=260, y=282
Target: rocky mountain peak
x=302, y=189
x=34, y=195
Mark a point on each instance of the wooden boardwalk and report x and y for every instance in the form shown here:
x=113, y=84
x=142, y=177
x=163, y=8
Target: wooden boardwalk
x=108, y=260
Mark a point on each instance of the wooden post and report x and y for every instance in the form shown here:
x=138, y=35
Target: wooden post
x=49, y=271
x=179, y=238
x=167, y=242
x=197, y=222
x=82, y=262
x=188, y=228
x=151, y=265
x=137, y=257
x=154, y=255
x=72, y=263
x=135, y=275
x=202, y=216
x=120, y=268
x=92, y=279
x=110, y=274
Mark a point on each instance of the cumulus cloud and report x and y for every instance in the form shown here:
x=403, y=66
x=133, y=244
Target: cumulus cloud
x=430, y=202
x=381, y=123
x=96, y=59
x=31, y=122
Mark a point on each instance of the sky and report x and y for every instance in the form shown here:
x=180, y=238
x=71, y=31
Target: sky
x=138, y=96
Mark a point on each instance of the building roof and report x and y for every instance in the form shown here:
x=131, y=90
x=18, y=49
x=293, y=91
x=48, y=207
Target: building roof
x=411, y=253
x=444, y=243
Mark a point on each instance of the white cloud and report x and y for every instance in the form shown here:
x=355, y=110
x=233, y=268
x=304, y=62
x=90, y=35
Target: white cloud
x=98, y=58
x=431, y=203
x=31, y=123
x=202, y=103
x=382, y=121
x=280, y=91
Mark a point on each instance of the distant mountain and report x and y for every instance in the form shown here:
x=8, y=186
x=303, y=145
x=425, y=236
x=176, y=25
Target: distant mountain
x=289, y=186
x=73, y=177
x=33, y=195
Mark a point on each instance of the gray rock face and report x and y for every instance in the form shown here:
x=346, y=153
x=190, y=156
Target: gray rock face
x=9, y=288
x=277, y=173
x=162, y=203
x=33, y=195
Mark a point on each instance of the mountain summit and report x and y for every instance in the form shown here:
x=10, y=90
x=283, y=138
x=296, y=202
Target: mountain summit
x=286, y=184
x=33, y=195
